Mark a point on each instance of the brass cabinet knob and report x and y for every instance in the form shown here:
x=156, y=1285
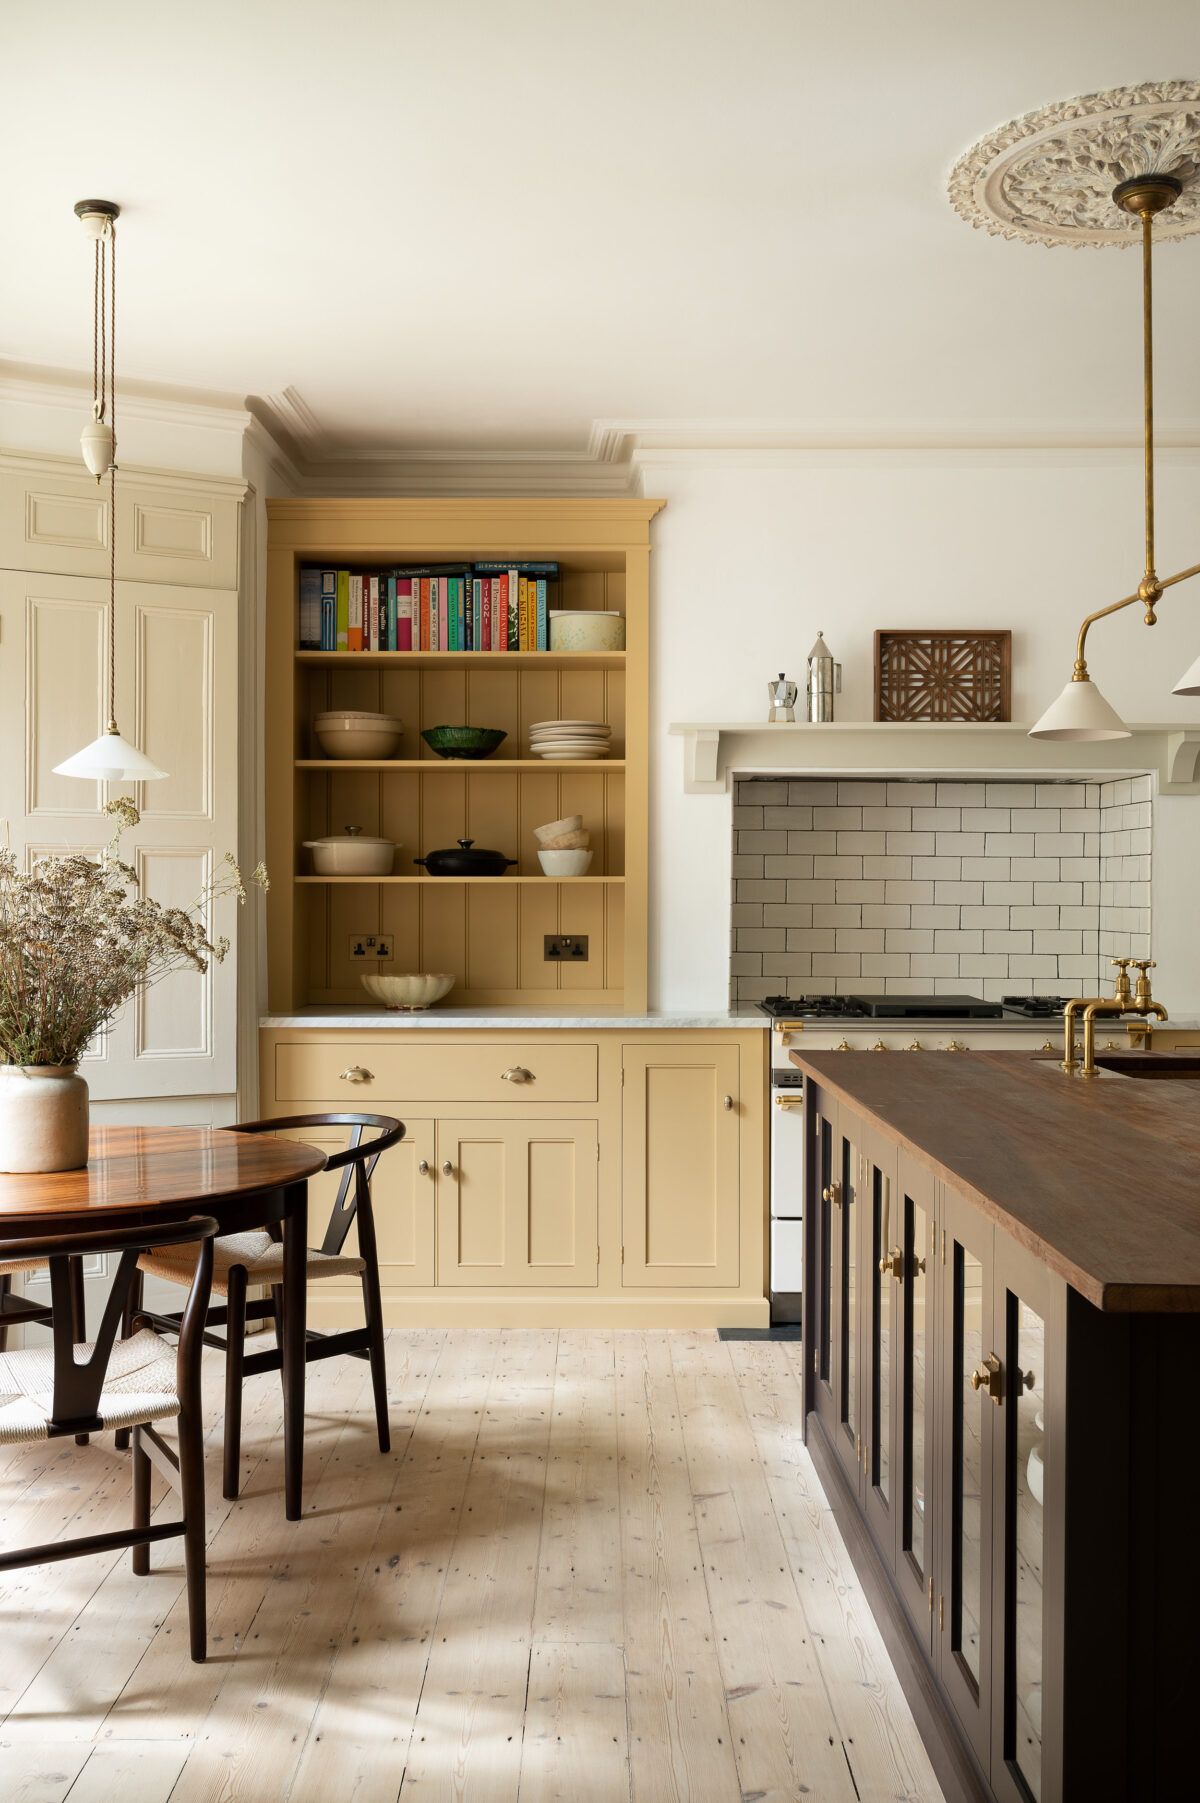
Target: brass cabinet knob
x=916, y=1046
x=727, y=1104
x=988, y=1376
x=832, y=1193
x=844, y=1047
x=1027, y=1380
x=447, y=1169
x=879, y=1046
x=892, y=1264
x=422, y=1167
x=357, y=1073
x=516, y=1073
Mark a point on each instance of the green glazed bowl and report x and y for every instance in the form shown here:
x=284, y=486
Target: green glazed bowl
x=464, y=741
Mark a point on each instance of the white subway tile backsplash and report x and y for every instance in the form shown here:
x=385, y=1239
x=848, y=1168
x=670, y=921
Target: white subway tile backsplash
x=991, y=887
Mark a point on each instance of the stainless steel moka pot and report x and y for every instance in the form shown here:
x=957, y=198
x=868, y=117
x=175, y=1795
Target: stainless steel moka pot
x=782, y=695
x=824, y=681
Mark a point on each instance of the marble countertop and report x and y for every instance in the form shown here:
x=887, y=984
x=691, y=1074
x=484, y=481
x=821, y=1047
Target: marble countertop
x=376, y=1019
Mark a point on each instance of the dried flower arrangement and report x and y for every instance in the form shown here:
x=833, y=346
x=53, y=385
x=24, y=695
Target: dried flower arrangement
x=77, y=938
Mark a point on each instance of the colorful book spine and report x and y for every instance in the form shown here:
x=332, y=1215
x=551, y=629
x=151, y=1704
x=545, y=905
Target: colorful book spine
x=512, y=609
x=343, y=611
x=525, y=567
x=404, y=613
x=485, y=612
x=310, y=610
x=354, y=622
x=477, y=613
x=542, y=615
x=426, y=639
x=523, y=611
x=443, y=613
x=329, y=610
x=458, y=591
x=387, y=632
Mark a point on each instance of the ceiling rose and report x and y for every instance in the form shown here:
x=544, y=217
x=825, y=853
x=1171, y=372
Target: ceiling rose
x=1048, y=177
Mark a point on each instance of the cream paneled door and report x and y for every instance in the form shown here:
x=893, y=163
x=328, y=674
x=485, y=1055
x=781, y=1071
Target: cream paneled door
x=516, y=1203
x=680, y=1165
x=177, y=697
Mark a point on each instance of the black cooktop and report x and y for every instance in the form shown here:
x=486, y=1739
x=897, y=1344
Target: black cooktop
x=880, y=1007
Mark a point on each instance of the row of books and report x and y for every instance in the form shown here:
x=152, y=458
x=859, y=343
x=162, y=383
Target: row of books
x=427, y=607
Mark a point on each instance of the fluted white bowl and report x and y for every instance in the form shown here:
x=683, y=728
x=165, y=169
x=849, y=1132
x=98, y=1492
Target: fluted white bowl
x=411, y=990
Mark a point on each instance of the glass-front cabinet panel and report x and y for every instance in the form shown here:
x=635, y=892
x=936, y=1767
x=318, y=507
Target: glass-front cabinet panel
x=822, y=1125
x=849, y=1298
x=972, y=1380
x=1025, y=1456
x=913, y=1225
x=884, y=1281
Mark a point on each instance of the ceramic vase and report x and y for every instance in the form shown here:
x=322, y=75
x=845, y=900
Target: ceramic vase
x=43, y=1118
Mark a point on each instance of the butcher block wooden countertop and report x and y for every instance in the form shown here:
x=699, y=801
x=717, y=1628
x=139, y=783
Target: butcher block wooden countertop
x=1099, y=1177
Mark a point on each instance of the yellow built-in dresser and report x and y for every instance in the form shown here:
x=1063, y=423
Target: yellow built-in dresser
x=567, y=1158
x=548, y=1176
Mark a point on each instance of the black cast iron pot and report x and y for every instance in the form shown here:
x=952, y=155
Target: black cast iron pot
x=463, y=860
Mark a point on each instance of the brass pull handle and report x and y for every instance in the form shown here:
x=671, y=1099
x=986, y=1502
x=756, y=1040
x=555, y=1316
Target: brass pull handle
x=447, y=1169
x=423, y=1167
x=782, y=1101
x=892, y=1264
x=516, y=1073
x=879, y=1046
x=988, y=1376
x=727, y=1104
x=357, y=1073
x=844, y=1047
x=832, y=1193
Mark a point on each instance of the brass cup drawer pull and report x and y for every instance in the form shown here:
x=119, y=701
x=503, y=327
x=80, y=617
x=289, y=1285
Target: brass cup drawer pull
x=357, y=1073
x=516, y=1073
x=989, y=1378
x=892, y=1264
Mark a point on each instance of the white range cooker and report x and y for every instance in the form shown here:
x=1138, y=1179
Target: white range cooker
x=870, y=1023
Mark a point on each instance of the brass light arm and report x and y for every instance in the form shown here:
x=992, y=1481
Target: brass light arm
x=1160, y=583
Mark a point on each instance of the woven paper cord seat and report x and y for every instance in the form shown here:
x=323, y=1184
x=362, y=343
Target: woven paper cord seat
x=257, y=1251
x=140, y=1386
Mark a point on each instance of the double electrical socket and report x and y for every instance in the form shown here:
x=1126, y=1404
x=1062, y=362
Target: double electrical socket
x=375, y=947
x=566, y=948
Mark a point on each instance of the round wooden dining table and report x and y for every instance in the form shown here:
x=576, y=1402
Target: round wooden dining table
x=242, y=1180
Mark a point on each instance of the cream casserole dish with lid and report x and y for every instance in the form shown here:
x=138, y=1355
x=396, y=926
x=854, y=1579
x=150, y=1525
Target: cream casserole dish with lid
x=352, y=853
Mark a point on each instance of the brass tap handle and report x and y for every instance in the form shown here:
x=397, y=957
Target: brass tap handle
x=1144, y=966
x=892, y=1264
x=1144, y=963
x=832, y=1193
x=1121, y=966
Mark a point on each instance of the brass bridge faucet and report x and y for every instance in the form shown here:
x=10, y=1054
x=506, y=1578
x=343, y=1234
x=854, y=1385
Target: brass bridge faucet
x=1124, y=1001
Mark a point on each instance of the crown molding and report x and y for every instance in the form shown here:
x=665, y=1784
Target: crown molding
x=646, y=440
x=32, y=384
x=51, y=463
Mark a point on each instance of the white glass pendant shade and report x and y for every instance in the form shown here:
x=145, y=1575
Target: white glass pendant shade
x=1189, y=682
x=96, y=443
x=1080, y=712
x=110, y=759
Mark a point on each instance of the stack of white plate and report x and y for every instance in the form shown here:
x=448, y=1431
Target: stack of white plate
x=574, y=739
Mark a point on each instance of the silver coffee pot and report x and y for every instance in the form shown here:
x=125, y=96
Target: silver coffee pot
x=824, y=681
x=782, y=695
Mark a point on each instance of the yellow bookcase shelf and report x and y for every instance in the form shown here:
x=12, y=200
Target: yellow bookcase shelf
x=490, y=931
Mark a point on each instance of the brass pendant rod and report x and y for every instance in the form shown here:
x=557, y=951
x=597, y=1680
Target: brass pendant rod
x=1081, y=669
x=1147, y=218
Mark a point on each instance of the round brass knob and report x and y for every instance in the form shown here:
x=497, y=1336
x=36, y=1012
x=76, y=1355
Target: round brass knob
x=447, y=1169
x=1027, y=1379
x=357, y=1073
x=892, y=1264
x=832, y=1192
x=727, y=1104
x=423, y=1167
x=979, y=1377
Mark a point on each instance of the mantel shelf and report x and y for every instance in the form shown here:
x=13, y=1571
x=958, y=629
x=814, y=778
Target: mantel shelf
x=717, y=750
x=546, y=882
x=462, y=766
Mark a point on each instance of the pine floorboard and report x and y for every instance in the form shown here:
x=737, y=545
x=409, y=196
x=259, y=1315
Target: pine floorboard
x=594, y=1566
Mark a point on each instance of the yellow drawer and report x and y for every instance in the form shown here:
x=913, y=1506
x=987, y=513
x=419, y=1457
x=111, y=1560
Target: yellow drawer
x=520, y=1071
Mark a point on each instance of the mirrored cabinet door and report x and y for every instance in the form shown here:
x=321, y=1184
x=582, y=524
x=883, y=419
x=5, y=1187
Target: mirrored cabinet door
x=972, y=1370
x=1029, y=1308
x=914, y=1224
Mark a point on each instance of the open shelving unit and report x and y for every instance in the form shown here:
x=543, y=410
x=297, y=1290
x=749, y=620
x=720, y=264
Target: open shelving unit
x=490, y=931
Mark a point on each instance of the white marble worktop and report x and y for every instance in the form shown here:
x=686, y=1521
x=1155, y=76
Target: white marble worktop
x=522, y=1019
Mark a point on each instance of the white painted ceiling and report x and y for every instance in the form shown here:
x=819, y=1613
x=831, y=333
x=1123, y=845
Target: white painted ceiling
x=481, y=225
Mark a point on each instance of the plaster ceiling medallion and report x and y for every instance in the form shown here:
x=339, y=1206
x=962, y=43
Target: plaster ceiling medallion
x=1049, y=176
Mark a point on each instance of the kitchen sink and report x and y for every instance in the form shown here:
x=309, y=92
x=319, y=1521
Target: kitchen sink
x=1180, y=1066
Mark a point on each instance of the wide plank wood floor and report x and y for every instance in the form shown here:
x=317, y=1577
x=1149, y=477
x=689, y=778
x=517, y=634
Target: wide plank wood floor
x=594, y=1566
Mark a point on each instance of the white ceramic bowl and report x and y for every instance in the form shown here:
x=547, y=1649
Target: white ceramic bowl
x=416, y=989
x=587, y=630
x=358, y=735
x=564, y=863
x=351, y=854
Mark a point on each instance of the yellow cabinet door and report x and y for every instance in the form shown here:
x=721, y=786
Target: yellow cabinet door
x=402, y=1202
x=679, y=1166
x=516, y=1203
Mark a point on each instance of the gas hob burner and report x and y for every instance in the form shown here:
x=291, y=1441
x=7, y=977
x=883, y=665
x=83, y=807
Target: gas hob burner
x=1035, y=1007
x=811, y=1007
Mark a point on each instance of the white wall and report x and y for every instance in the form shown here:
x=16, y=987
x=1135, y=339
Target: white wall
x=754, y=553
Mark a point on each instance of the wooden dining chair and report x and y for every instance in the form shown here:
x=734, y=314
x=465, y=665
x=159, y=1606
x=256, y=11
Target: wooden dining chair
x=16, y=1310
x=46, y=1392
x=256, y=1257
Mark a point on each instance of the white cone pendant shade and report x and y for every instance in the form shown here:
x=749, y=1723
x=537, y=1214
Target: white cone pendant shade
x=110, y=759
x=1080, y=712
x=1189, y=682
